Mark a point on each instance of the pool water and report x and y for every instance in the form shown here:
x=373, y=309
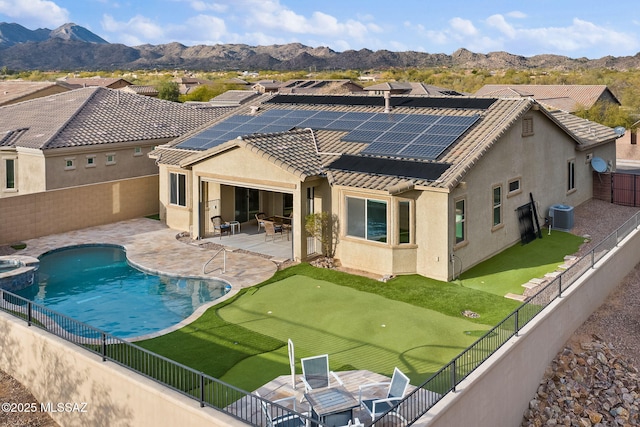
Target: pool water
x=6, y=266
x=96, y=285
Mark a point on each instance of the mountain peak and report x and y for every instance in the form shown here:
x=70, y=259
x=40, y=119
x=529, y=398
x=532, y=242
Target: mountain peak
x=12, y=34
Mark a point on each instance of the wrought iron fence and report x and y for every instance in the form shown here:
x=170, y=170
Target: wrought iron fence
x=420, y=400
x=207, y=390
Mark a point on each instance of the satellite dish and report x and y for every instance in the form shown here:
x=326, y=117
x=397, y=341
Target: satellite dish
x=619, y=130
x=598, y=164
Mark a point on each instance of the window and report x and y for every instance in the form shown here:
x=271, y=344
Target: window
x=178, y=189
x=404, y=229
x=69, y=163
x=497, y=205
x=460, y=221
x=527, y=126
x=367, y=219
x=514, y=187
x=137, y=151
x=91, y=161
x=10, y=174
x=111, y=159
x=571, y=175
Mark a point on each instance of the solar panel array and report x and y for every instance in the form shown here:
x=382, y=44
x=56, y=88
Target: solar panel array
x=401, y=135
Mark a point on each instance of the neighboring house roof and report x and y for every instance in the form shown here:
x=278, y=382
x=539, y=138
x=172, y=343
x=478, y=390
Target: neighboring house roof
x=568, y=98
x=412, y=88
x=325, y=152
x=326, y=86
x=234, y=97
x=96, y=116
x=15, y=91
x=110, y=82
x=141, y=90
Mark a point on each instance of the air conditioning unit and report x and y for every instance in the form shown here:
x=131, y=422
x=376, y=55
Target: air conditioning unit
x=561, y=217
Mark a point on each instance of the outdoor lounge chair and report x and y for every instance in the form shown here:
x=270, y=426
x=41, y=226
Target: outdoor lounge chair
x=272, y=229
x=285, y=420
x=260, y=216
x=220, y=226
x=316, y=374
x=397, y=389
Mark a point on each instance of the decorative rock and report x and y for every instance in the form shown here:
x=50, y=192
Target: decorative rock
x=594, y=388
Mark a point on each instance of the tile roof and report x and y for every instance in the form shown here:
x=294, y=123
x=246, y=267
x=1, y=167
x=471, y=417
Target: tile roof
x=569, y=97
x=305, y=153
x=97, y=115
x=13, y=90
x=413, y=88
x=78, y=82
x=234, y=97
x=141, y=90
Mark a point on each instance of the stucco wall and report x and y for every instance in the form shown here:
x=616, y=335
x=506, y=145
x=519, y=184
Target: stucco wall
x=58, y=372
x=498, y=392
x=540, y=162
x=38, y=214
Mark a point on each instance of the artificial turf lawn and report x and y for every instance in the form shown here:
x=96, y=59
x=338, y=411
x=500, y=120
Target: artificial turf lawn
x=343, y=318
x=513, y=267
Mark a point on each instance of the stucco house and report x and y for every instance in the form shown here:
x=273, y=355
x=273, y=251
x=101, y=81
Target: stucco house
x=426, y=185
x=569, y=98
x=86, y=136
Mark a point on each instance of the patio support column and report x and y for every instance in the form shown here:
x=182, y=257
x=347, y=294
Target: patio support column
x=298, y=238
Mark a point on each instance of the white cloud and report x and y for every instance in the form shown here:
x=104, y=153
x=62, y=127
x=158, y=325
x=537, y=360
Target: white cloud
x=35, y=13
x=202, y=6
x=517, y=14
x=463, y=27
x=210, y=29
x=135, y=31
x=499, y=23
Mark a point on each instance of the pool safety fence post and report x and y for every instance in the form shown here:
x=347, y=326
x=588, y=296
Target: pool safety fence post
x=29, y=318
x=201, y=390
x=516, y=327
x=453, y=375
x=104, y=347
x=560, y=286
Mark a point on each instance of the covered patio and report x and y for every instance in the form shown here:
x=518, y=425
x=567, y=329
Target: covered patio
x=247, y=237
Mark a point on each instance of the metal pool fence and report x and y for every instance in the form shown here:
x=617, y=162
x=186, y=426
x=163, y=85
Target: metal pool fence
x=257, y=411
x=420, y=400
x=208, y=391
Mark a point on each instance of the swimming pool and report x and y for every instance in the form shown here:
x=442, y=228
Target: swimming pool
x=97, y=286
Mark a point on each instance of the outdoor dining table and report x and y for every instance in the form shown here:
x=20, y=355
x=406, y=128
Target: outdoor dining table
x=332, y=406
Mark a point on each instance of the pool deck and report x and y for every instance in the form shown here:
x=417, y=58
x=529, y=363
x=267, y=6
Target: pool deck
x=152, y=246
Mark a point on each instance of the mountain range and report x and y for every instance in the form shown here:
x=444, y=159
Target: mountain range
x=72, y=47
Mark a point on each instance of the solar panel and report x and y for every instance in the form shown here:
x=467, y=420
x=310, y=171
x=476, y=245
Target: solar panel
x=400, y=137
x=456, y=102
x=410, y=127
x=345, y=125
x=315, y=123
x=439, y=129
x=332, y=115
x=241, y=118
x=287, y=121
x=361, y=136
x=426, y=118
x=379, y=126
x=356, y=116
x=405, y=168
x=424, y=151
x=301, y=113
x=436, y=140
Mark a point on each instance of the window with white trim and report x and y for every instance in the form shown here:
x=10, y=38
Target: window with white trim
x=111, y=158
x=514, y=187
x=178, y=189
x=571, y=175
x=69, y=163
x=91, y=161
x=137, y=151
x=367, y=219
x=497, y=205
x=10, y=174
x=461, y=232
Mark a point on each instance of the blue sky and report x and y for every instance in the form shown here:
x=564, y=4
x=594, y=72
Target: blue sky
x=583, y=28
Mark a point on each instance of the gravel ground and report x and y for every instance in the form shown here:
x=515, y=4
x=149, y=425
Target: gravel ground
x=617, y=321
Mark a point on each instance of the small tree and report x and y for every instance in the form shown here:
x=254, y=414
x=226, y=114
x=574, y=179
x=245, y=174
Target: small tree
x=169, y=91
x=324, y=227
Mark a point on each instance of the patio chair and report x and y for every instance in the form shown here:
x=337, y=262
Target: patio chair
x=285, y=420
x=316, y=374
x=220, y=226
x=395, y=393
x=260, y=217
x=272, y=229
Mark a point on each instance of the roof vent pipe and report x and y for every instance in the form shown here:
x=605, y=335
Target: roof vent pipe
x=387, y=101
x=254, y=110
